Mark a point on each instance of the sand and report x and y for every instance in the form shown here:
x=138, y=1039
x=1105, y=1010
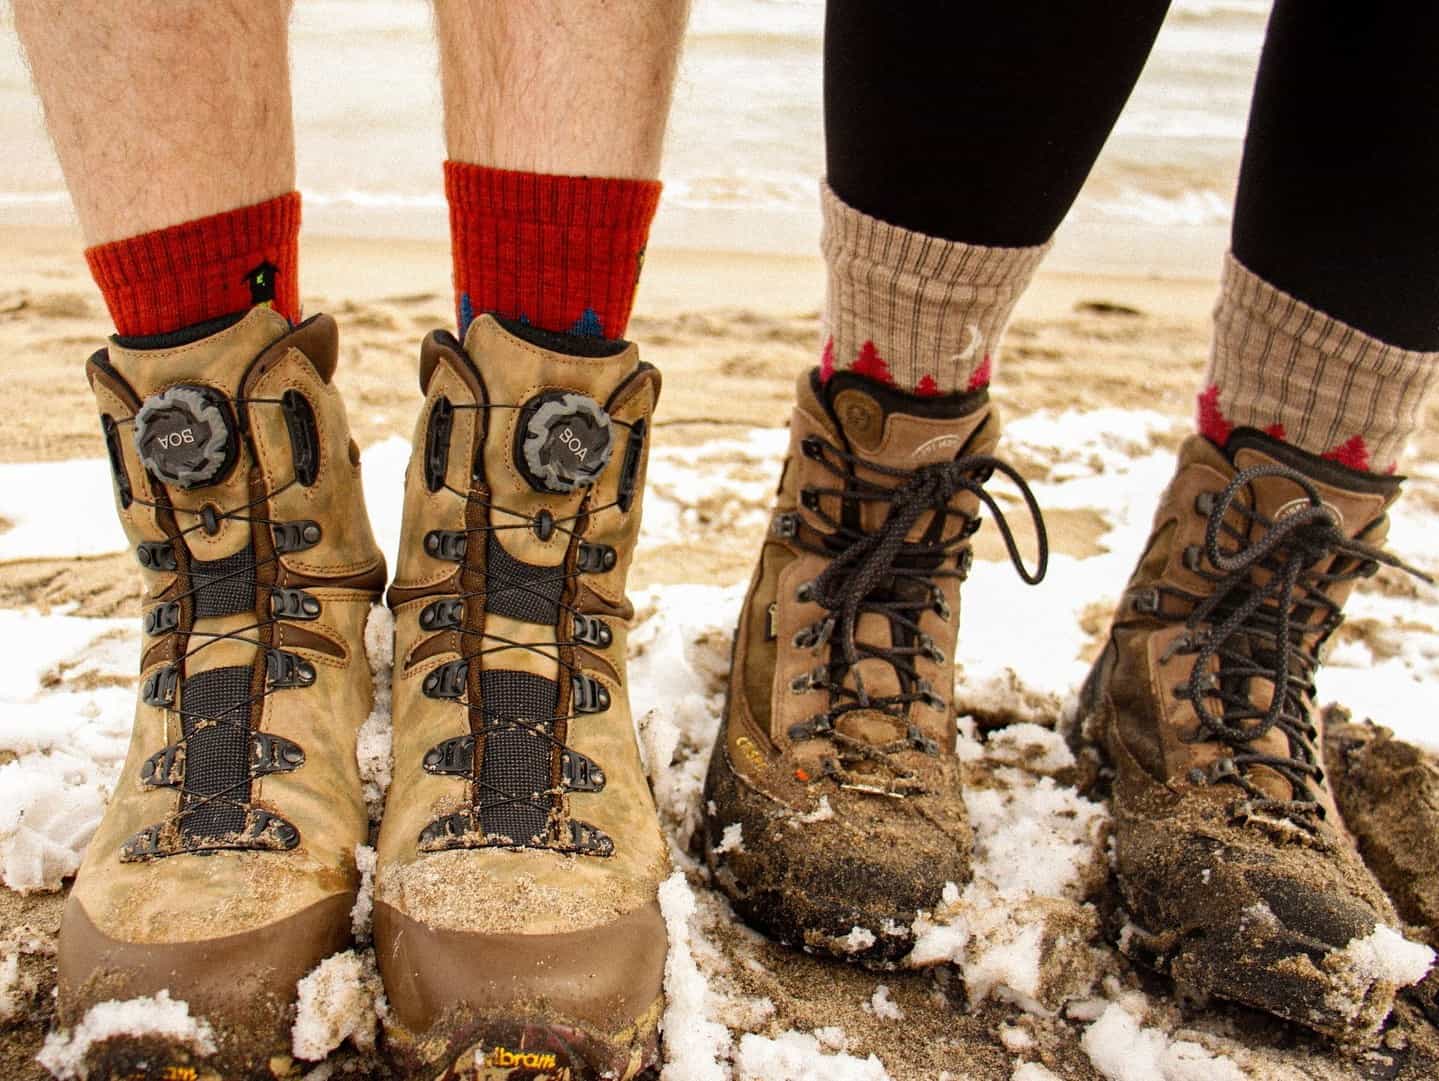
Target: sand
x=730, y=333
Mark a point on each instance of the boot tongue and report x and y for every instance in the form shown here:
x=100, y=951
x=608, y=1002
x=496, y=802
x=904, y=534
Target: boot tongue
x=904, y=431
x=1356, y=498
x=186, y=429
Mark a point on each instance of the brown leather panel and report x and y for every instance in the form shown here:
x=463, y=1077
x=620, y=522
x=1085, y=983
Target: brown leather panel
x=587, y=600
x=396, y=596
x=299, y=637
x=234, y=981
x=370, y=581
x=433, y=646
x=602, y=977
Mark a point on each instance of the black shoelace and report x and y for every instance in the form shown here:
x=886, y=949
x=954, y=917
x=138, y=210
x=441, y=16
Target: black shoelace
x=885, y=573
x=194, y=586
x=1259, y=622
x=478, y=646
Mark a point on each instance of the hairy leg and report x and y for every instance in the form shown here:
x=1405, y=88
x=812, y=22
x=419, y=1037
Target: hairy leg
x=550, y=86
x=163, y=113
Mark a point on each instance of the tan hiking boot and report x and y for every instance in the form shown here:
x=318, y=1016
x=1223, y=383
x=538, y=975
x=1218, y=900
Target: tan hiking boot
x=1238, y=874
x=833, y=812
x=516, y=920
x=224, y=868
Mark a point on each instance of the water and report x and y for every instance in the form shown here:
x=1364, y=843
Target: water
x=745, y=143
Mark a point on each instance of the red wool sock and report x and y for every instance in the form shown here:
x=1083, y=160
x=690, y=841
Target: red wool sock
x=560, y=252
x=202, y=269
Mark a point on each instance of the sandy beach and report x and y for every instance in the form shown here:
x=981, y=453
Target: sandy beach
x=1096, y=383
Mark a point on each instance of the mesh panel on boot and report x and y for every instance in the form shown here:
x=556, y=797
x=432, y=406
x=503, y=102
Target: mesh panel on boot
x=516, y=760
x=522, y=590
x=216, y=723
x=224, y=587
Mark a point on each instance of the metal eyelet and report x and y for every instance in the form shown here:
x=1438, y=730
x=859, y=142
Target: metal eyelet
x=1191, y=558
x=786, y=525
x=811, y=447
x=805, y=593
x=1205, y=503
x=1145, y=601
x=809, y=499
x=544, y=525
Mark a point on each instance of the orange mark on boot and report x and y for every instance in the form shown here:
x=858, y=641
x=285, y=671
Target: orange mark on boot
x=801, y=776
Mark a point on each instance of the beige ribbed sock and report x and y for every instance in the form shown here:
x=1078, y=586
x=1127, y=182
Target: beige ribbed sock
x=1302, y=376
x=915, y=311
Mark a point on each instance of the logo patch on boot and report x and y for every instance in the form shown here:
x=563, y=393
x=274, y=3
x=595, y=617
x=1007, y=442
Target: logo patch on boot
x=184, y=437
x=565, y=441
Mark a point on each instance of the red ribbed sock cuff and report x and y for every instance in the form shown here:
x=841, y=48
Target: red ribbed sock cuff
x=202, y=269
x=562, y=252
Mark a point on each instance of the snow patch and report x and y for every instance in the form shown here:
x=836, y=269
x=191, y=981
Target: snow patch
x=161, y=1017
x=798, y=1056
x=883, y=1006
x=695, y=1046
x=1386, y=955
x=374, y=741
x=732, y=839
x=339, y=1000
x=1123, y=1050
x=364, y=908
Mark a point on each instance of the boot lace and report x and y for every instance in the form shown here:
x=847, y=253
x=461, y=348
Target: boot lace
x=885, y=573
x=1259, y=621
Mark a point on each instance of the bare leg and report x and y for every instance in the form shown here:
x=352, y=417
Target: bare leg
x=551, y=86
x=163, y=113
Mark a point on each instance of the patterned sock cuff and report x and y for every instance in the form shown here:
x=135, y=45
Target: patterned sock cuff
x=1327, y=387
x=916, y=311
x=561, y=252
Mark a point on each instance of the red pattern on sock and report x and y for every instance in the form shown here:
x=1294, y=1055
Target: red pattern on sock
x=198, y=270
x=826, y=361
x=1276, y=431
x=1210, y=420
x=982, y=375
x=1353, y=452
x=563, y=252
x=871, y=365
x=927, y=387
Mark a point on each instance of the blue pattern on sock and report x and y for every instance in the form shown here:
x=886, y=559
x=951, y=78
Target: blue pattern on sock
x=467, y=314
x=588, y=325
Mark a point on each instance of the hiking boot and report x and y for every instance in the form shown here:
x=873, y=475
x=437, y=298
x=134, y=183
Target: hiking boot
x=516, y=920
x=833, y=811
x=224, y=867
x=1239, y=877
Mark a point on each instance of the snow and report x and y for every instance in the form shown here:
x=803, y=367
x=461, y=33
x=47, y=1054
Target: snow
x=858, y=940
x=67, y=711
x=1387, y=955
x=373, y=742
x=883, y=1006
x=364, y=908
x=43, y=527
x=1032, y=1071
x=339, y=1000
x=797, y=1056
x=732, y=839
x=1123, y=1050
x=695, y=1046
x=161, y=1016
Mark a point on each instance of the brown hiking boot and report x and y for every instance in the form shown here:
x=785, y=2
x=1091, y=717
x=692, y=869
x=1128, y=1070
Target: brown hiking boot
x=224, y=868
x=1238, y=874
x=832, y=810
x=516, y=920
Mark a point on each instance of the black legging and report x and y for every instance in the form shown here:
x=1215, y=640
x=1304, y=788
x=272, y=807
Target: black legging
x=980, y=123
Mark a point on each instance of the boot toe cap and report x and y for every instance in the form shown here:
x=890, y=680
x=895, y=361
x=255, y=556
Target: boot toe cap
x=1266, y=926
x=591, y=998
x=872, y=866
x=242, y=986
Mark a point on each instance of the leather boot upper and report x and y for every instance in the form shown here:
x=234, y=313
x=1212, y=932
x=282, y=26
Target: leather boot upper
x=239, y=806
